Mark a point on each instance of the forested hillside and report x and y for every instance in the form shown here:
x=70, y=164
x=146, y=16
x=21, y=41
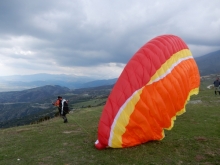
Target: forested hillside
x=25, y=107
x=209, y=63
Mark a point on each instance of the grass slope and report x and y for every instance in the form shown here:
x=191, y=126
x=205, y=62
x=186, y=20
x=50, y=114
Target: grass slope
x=194, y=139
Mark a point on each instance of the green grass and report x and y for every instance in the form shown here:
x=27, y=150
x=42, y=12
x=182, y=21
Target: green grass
x=90, y=103
x=194, y=139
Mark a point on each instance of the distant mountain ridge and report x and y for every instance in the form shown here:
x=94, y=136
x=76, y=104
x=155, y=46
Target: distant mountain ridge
x=209, y=63
x=33, y=95
x=99, y=83
x=18, y=83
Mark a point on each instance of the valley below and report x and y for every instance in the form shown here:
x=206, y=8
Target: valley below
x=35, y=105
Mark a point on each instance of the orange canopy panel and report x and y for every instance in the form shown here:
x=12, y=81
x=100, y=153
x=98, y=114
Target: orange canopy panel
x=152, y=90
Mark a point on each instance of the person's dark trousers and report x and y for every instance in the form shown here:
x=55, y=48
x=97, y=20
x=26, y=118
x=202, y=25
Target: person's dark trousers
x=64, y=119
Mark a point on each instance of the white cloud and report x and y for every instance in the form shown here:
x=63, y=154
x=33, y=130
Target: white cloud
x=97, y=38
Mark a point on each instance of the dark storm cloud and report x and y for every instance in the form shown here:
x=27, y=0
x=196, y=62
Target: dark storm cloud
x=82, y=35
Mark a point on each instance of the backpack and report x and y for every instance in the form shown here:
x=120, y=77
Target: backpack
x=65, y=107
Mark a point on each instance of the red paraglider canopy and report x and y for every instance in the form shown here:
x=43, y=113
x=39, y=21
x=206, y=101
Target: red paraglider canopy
x=152, y=89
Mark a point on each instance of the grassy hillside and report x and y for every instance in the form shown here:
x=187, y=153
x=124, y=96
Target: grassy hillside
x=194, y=139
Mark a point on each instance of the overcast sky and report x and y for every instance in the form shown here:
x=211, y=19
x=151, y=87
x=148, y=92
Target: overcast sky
x=97, y=37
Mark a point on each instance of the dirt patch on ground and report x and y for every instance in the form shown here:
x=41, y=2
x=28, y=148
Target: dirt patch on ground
x=22, y=130
x=200, y=138
x=199, y=158
x=195, y=102
x=67, y=132
x=210, y=86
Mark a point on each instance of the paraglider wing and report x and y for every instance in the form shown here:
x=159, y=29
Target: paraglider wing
x=151, y=91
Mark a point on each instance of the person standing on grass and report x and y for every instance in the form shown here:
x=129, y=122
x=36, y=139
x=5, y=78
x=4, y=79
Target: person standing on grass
x=216, y=86
x=62, y=107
